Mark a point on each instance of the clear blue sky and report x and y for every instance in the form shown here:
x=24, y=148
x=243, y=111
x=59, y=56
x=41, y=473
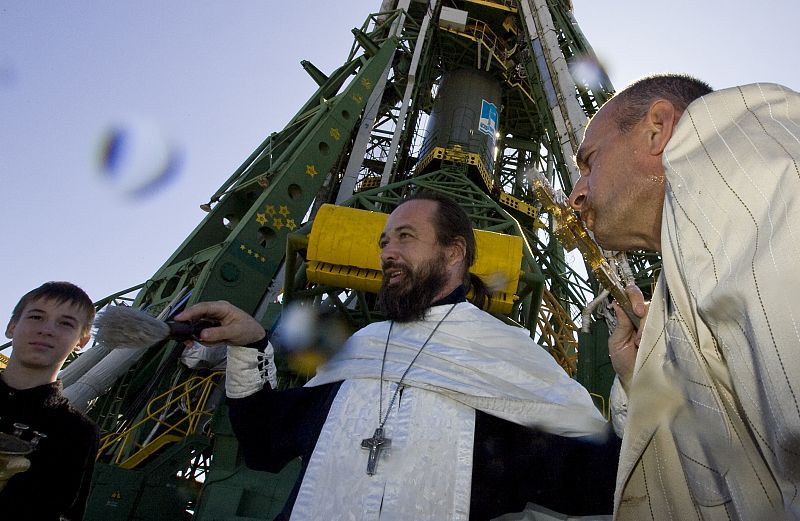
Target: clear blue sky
x=217, y=77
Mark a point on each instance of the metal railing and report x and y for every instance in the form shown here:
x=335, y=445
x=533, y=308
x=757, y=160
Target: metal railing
x=191, y=396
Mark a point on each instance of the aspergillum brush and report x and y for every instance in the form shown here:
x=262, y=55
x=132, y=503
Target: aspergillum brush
x=123, y=326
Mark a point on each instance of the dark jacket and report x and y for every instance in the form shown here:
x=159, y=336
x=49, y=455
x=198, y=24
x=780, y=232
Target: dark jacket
x=56, y=485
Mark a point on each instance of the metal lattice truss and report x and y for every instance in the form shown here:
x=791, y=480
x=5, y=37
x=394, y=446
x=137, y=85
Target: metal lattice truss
x=359, y=141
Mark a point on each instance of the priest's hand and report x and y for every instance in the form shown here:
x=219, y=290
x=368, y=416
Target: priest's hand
x=236, y=327
x=623, y=344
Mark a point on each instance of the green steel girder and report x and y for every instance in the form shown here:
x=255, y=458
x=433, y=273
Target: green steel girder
x=128, y=495
x=236, y=252
x=388, y=114
x=263, y=215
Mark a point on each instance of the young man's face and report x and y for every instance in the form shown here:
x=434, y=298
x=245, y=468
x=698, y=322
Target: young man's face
x=46, y=332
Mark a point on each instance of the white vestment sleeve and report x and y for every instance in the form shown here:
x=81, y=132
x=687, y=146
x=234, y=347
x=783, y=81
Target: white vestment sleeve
x=248, y=369
x=619, y=407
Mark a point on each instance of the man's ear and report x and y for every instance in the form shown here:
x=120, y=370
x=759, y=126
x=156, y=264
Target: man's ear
x=457, y=251
x=660, y=120
x=10, y=329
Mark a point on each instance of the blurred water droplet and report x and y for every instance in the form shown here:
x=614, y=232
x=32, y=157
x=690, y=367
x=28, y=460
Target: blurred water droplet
x=309, y=336
x=8, y=74
x=497, y=281
x=306, y=362
x=297, y=327
x=587, y=70
x=136, y=158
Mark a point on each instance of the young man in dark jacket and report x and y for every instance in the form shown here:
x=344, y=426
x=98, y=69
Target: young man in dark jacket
x=46, y=325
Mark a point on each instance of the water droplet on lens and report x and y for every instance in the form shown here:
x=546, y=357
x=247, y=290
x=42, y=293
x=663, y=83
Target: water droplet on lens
x=497, y=281
x=8, y=74
x=136, y=158
x=586, y=69
x=298, y=327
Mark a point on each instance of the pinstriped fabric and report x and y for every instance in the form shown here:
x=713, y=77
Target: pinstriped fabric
x=721, y=347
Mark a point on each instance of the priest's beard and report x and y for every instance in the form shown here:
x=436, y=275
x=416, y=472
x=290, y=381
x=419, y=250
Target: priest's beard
x=410, y=300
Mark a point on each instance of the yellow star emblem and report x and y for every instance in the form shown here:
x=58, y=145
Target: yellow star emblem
x=270, y=210
x=277, y=223
x=366, y=83
x=242, y=247
x=335, y=134
x=261, y=219
x=284, y=210
x=358, y=98
x=290, y=224
x=311, y=170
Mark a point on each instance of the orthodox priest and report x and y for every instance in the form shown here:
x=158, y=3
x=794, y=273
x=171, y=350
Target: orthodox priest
x=440, y=412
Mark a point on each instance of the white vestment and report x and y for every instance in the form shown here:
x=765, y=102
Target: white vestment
x=473, y=361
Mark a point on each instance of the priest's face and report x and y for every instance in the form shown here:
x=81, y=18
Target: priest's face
x=414, y=264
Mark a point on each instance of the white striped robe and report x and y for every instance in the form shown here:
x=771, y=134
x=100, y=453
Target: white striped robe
x=714, y=423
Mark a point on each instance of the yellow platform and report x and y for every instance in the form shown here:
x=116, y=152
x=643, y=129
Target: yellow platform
x=343, y=252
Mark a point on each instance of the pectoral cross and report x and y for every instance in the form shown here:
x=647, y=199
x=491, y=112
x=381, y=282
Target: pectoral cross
x=375, y=444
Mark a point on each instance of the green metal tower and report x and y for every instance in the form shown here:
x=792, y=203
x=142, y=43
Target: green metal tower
x=467, y=97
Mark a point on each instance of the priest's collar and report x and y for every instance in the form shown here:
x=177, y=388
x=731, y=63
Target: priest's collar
x=457, y=295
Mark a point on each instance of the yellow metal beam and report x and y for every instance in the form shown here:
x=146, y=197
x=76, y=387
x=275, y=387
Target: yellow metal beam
x=343, y=252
